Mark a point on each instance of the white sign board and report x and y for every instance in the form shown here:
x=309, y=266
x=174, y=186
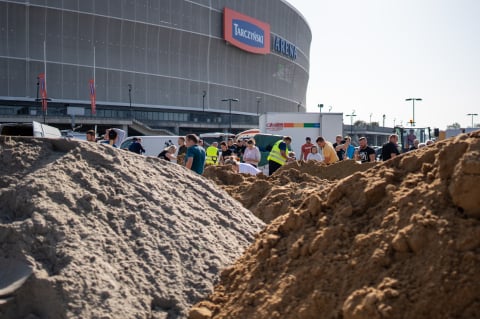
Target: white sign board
x=301, y=125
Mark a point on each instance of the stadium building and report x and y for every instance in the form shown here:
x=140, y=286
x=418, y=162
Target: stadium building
x=177, y=65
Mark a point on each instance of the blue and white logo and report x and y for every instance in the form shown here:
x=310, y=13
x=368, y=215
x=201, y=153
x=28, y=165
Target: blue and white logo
x=248, y=33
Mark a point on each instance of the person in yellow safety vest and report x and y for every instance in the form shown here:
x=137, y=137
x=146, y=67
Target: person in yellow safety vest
x=212, y=154
x=279, y=154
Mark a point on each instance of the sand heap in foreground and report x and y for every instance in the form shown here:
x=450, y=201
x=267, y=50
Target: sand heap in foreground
x=401, y=240
x=108, y=233
x=273, y=196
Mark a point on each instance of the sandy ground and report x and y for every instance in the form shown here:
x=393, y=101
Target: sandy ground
x=400, y=240
x=270, y=197
x=105, y=233
x=88, y=231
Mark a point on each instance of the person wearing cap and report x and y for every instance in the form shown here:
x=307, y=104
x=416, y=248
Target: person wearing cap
x=306, y=148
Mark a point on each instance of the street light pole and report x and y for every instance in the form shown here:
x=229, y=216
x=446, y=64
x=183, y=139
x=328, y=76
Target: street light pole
x=383, y=120
x=413, y=99
x=351, y=122
x=38, y=86
x=203, y=100
x=230, y=100
x=472, y=115
x=130, y=99
x=259, y=99
x=320, y=106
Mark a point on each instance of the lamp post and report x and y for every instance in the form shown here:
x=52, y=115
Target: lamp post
x=351, y=122
x=38, y=86
x=37, y=99
x=472, y=115
x=230, y=100
x=203, y=100
x=320, y=106
x=130, y=99
x=413, y=99
x=383, y=116
x=259, y=99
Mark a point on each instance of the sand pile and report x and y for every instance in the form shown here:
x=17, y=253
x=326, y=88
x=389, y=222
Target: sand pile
x=401, y=240
x=270, y=197
x=103, y=233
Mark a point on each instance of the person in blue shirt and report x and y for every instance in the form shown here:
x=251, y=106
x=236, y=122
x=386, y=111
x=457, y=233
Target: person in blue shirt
x=195, y=157
x=349, y=148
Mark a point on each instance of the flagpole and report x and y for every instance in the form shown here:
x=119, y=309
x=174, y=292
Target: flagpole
x=45, y=62
x=93, y=87
x=94, y=81
x=45, y=77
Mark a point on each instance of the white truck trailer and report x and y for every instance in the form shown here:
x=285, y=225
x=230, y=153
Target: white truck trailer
x=301, y=125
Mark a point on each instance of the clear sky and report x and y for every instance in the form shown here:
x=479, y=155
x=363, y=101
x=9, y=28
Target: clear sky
x=368, y=56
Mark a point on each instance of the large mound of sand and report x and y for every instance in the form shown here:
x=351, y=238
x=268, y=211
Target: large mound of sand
x=106, y=233
x=401, y=240
x=273, y=196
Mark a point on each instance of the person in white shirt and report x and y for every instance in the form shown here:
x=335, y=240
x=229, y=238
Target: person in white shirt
x=242, y=168
x=252, y=155
x=314, y=155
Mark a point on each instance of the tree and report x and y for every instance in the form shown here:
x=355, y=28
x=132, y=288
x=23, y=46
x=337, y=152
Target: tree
x=360, y=123
x=454, y=125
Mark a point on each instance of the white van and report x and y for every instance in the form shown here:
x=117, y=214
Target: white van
x=153, y=144
x=29, y=129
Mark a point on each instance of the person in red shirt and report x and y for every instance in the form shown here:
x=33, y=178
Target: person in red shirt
x=306, y=148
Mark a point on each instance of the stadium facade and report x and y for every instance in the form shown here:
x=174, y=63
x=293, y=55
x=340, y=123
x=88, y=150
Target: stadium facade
x=160, y=63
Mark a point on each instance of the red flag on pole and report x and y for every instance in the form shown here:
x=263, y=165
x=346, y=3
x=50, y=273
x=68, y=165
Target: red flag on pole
x=92, y=96
x=43, y=91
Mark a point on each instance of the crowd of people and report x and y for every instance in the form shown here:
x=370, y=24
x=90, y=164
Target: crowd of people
x=244, y=156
